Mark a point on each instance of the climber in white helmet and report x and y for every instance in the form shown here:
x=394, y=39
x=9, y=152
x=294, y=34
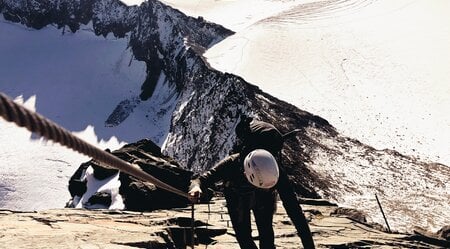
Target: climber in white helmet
x=252, y=178
x=261, y=169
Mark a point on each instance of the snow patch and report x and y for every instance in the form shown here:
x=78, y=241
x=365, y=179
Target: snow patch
x=132, y=2
x=376, y=70
x=109, y=185
x=411, y=194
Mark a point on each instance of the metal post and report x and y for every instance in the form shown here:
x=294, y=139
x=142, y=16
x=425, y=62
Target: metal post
x=385, y=220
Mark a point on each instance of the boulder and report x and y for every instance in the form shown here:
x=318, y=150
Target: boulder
x=444, y=233
x=350, y=213
x=137, y=195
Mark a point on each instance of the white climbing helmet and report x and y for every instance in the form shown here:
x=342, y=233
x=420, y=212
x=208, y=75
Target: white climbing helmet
x=261, y=169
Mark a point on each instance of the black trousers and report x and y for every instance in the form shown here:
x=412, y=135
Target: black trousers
x=263, y=205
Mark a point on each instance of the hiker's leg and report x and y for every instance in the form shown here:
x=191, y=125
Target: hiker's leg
x=264, y=211
x=239, y=212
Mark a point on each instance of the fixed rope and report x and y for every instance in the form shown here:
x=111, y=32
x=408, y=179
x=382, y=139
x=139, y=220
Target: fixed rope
x=46, y=128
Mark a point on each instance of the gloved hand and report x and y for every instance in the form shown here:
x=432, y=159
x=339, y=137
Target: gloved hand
x=195, y=194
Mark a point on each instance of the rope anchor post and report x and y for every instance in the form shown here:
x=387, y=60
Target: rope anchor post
x=382, y=212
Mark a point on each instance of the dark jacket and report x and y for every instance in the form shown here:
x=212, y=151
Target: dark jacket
x=230, y=171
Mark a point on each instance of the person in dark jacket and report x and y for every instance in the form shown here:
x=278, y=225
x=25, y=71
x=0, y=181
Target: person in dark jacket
x=243, y=195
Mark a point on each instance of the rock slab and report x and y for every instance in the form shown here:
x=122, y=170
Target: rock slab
x=80, y=228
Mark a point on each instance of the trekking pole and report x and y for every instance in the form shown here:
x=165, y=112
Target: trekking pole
x=192, y=226
x=382, y=212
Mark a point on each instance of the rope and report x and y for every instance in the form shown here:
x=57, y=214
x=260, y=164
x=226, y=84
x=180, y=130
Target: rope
x=46, y=128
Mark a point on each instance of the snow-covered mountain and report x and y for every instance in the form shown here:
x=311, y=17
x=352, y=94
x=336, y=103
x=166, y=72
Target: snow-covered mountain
x=156, y=84
x=377, y=70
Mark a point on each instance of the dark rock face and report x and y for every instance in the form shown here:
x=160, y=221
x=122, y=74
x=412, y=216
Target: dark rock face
x=101, y=198
x=106, y=15
x=38, y=14
x=122, y=111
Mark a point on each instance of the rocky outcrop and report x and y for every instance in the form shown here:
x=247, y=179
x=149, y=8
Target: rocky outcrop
x=444, y=233
x=122, y=111
x=106, y=15
x=79, y=228
x=137, y=195
x=162, y=38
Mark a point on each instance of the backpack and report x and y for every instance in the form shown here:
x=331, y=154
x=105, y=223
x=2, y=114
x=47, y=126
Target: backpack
x=255, y=134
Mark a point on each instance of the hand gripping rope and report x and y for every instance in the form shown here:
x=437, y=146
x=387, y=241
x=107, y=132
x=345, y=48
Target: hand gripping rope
x=36, y=123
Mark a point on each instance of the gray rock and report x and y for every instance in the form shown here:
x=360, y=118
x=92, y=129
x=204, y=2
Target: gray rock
x=139, y=195
x=81, y=228
x=444, y=233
